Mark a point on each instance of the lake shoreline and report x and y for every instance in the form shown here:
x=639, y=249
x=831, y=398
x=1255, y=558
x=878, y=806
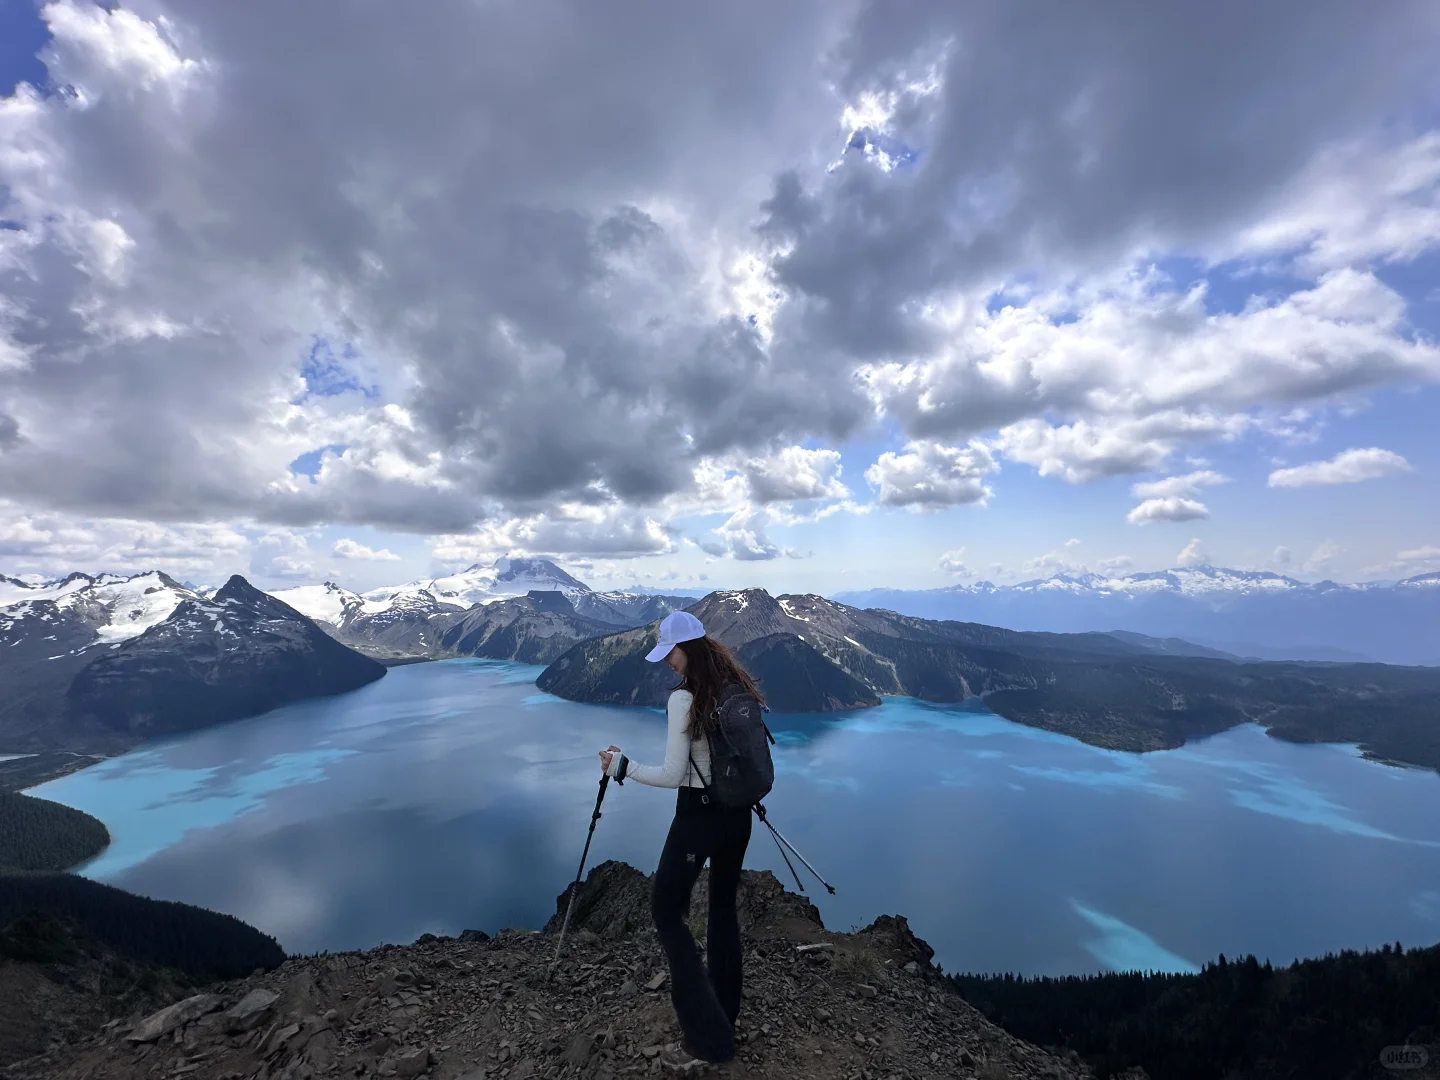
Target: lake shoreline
x=23, y=771
x=446, y=768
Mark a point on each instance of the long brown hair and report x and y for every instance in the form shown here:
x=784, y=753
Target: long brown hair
x=709, y=668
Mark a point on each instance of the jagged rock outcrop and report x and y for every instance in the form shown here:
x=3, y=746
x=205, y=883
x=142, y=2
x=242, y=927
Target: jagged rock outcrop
x=614, y=901
x=817, y=1005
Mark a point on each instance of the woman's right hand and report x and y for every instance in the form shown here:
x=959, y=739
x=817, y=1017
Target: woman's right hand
x=605, y=756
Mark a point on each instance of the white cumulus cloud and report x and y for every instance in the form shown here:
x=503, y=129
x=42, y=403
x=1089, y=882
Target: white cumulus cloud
x=953, y=562
x=1323, y=558
x=1170, y=508
x=1188, y=484
x=1172, y=498
x=742, y=537
x=1193, y=554
x=929, y=475
x=1411, y=561
x=572, y=530
x=1346, y=467
x=346, y=548
x=796, y=473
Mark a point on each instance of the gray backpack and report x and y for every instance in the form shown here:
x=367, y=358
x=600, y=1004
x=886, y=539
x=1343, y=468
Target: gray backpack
x=741, y=771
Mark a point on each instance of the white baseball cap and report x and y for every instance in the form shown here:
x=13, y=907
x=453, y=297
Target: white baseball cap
x=676, y=627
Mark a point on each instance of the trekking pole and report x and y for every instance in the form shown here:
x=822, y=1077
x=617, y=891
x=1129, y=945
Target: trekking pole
x=779, y=838
x=575, y=888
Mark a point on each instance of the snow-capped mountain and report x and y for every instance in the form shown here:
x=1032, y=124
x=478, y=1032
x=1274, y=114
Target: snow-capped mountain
x=238, y=653
x=1186, y=581
x=328, y=603
x=1249, y=612
x=481, y=584
x=428, y=618
x=115, y=607
x=97, y=664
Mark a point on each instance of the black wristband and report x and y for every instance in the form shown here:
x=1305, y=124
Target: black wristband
x=620, y=772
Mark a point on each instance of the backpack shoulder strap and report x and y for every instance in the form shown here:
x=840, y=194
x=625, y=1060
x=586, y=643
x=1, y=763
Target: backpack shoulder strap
x=698, y=774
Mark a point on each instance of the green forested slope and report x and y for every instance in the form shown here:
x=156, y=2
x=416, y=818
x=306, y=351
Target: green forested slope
x=36, y=834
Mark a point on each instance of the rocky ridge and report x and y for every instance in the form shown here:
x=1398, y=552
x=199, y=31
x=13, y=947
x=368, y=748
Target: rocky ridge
x=1133, y=692
x=817, y=1004
x=530, y=629
x=236, y=654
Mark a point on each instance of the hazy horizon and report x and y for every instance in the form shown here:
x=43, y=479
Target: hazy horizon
x=706, y=586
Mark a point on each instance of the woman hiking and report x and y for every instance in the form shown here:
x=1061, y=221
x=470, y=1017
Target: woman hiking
x=706, y=1001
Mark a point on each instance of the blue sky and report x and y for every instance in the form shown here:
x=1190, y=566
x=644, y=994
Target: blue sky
x=22, y=35
x=1117, y=295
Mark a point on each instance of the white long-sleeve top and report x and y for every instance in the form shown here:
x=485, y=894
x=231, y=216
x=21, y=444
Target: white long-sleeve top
x=679, y=748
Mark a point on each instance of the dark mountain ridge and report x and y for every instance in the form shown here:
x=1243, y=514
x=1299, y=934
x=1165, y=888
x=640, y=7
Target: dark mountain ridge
x=1121, y=694
x=416, y=623
x=531, y=629
x=238, y=653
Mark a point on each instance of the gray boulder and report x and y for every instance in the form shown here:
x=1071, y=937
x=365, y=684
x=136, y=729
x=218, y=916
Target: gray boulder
x=158, y=1025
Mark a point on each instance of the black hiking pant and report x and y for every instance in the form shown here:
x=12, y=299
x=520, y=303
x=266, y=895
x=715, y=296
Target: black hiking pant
x=706, y=1002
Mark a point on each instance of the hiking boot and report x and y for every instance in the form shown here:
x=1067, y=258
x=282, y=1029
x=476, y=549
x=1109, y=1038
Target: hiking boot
x=680, y=1060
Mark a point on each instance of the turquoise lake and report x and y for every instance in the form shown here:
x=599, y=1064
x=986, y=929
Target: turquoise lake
x=452, y=795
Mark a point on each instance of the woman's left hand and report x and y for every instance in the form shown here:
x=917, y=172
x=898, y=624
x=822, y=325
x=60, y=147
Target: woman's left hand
x=606, y=755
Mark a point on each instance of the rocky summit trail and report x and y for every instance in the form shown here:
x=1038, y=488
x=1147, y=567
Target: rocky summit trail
x=817, y=1004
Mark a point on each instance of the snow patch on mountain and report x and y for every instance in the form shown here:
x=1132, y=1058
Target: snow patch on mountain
x=133, y=604
x=116, y=606
x=327, y=603
x=478, y=584
x=1184, y=581
x=15, y=591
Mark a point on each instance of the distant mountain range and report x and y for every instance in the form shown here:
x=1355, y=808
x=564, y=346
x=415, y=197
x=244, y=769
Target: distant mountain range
x=518, y=609
x=1124, y=692
x=91, y=665
x=1250, y=613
